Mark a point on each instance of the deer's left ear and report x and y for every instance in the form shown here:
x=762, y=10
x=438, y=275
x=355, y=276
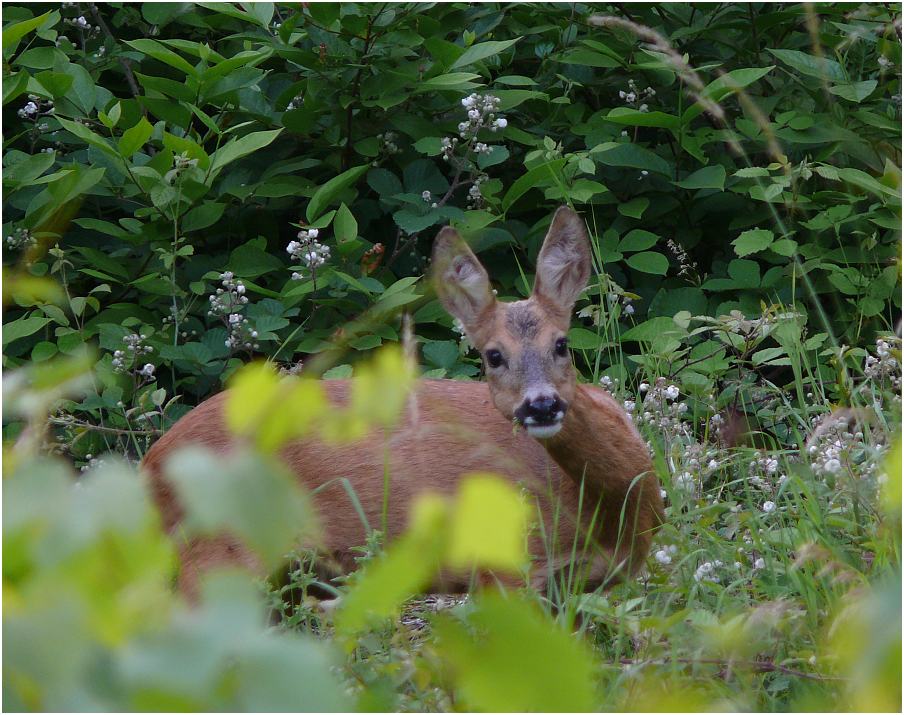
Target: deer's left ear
x=563, y=266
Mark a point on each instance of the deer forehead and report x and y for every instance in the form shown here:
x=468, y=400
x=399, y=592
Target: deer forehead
x=521, y=325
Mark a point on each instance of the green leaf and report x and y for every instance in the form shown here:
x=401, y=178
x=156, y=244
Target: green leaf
x=160, y=52
x=250, y=260
x=583, y=339
x=443, y=353
x=344, y=225
x=653, y=329
x=401, y=571
x=511, y=98
x=482, y=50
x=134, y=138
x=22, y=328
x=753, y=241
x=709, y=177
x=251, y=498
x=453, y=81
x=630, y=155
x=725, y=85
x=431, y=146
x=588, y=58
x=238, y=148
x=636, y=118
x=509, y=657
x=810, y=65
x=637, y=240
x=784, y=247
x=14, y=32
x=855, y=91
x=202, y=216
x=649, y=262
x=867, y=183
x=745, y=273
x=538, y=176
x=86, y=135
x=14, y=85
x=635, y=207
x=57, y=84
x=489, y=525
x=329, y=192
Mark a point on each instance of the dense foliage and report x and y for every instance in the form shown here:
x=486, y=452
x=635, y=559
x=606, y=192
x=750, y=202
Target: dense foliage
x=190, y=186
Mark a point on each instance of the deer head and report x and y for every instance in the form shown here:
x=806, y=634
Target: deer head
x=523, y=344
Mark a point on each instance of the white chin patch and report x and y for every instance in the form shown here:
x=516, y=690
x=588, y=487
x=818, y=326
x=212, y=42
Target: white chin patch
x=544, y=431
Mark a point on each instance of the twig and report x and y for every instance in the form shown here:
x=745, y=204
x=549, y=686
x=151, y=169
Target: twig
x=127, y=69
x=98, y=428
x=356, y=89
x=761, y=666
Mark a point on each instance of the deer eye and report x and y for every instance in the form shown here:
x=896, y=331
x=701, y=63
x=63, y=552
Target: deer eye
x=562, y=347
x=494, y=358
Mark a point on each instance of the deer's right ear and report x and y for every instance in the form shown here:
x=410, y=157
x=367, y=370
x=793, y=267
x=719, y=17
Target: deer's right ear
x=462, y=283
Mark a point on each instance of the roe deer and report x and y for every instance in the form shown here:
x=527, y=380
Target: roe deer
x=579, y=455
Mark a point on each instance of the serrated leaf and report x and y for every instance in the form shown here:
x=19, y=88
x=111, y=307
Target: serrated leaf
x=753, y=241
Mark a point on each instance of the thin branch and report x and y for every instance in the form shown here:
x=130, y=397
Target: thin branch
x=761, y=666
x=107, y=430
x=126, y=67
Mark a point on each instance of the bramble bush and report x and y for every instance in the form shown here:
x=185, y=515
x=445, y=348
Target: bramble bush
x=192, y=186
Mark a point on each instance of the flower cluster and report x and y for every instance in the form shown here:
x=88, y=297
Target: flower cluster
x=308, y=251
x=625, y=300
x=475, y=197
x=181, y=162
x=227, y=304
x=91, y=462
x=637, y=98
x=707, y=571
x=884, y=369
x=762, y=470
x=129, y=360
x=481, y=110
x=687, y=267
x=387, y=143
x=661, y=408
x=296, y=102
x=80, y=23
x=664, y=555
x=837, y=446
x=35, y=108
x=21, y=238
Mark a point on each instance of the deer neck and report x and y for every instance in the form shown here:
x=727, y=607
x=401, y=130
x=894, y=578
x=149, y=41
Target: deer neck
x=598, y=443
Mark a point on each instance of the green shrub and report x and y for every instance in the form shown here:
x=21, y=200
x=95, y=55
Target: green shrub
x=189, y=186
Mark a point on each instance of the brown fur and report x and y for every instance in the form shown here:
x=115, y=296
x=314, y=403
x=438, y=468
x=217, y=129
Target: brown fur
x=593, y=483
x=455, y=431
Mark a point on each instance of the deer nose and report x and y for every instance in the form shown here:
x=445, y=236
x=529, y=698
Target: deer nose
x=542, y=410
